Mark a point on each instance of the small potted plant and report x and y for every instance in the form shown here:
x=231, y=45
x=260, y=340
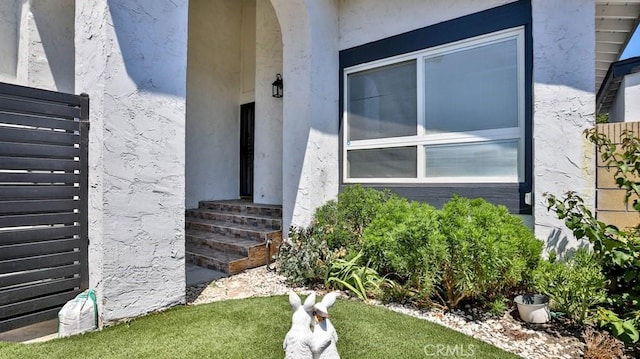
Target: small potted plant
x=533, y=308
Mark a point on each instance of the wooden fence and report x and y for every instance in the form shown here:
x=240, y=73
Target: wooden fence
x=610, y=205
x=43, y=202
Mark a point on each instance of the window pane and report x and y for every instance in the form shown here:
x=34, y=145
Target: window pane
x=485, y=159
x=382, y=163
x=472, y=89
x=382, y=102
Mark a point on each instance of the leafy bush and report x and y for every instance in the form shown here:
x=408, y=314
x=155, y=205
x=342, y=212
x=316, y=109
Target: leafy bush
x=341, y=222
x=575, y=285
x=470, y=249
x=490, y=251
x=404, y=240
x=623, y=329
x=618, y=251
x=303, y=258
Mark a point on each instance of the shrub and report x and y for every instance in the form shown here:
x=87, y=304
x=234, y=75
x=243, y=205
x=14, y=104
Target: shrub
x=618, y=251
x=575, y=285
x=361, y=280
x=404, y=240
x=303, y=258
x=341, y=222
x=623, y=329
x=490, y=251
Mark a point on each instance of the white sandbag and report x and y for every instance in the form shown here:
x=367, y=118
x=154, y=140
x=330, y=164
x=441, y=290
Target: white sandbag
x=79, y=315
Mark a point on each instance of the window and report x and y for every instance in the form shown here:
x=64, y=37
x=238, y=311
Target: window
x=453, y=113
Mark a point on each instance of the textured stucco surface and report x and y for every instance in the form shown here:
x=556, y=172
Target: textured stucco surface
x=268, y=141
x=131, y=60
x=213, y=100
x=632, y=95
x=626, y=107
x=564, y=105
x=9, y=23
x=310, y=106
x=36, y=38
x=363, y=21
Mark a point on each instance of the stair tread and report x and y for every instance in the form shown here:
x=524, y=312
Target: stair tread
x=225, y=257
x=246, y=227
x=239, y=202
x=246, y=215
x=247, y=243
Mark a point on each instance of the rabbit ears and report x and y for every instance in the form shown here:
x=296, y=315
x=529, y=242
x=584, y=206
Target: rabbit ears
x=295, y=301
x=323, y=307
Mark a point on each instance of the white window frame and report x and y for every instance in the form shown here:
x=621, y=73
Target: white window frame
x=420, y=140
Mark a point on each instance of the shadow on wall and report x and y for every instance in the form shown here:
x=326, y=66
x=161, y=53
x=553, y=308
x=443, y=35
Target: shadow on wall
x=55, y=24
x=152, y=39
x=558, y=242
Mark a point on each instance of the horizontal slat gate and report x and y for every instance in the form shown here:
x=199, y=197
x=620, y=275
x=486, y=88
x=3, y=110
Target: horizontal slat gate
x=43, y=202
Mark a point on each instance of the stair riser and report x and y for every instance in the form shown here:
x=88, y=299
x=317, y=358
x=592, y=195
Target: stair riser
x=207, y=262
x=255, y=260
x=242, y=208
x=233, y=232
x=266, y=223
x=222, y=247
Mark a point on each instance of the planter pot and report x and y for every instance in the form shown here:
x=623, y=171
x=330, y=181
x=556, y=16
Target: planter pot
x=533, y=308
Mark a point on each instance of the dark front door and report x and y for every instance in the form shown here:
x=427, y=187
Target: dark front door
x=247, y=134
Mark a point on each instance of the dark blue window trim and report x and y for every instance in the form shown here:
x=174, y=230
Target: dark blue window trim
x=499, y=18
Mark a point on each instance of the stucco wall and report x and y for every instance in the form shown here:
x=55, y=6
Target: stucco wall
x=616, y=112
x=213, y=100
x=51, y=45
x=268, y=141
x=9, y=23
x=632, y=97
x=363, y=21
x=36, y=38
x=626, y=106
x=135, y=74
x=564, y=104
x=310, y=106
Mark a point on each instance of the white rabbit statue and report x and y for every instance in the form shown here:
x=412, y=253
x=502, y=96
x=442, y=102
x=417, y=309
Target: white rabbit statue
x=325, y=337
x=298, y=341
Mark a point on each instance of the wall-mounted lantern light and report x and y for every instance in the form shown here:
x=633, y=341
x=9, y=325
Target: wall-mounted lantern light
x=276, y=87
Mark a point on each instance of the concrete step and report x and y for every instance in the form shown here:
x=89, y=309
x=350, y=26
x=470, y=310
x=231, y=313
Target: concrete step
x=254, y=220
x=243, y=207
x=233, y=230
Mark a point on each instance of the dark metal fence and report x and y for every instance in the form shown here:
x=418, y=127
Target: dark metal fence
x=43, y=202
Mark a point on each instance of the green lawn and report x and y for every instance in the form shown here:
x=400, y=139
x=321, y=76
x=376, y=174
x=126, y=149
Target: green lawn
x=255, y=328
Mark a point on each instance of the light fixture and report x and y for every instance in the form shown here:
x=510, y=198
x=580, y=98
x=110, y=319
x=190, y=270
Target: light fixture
x=276, y=87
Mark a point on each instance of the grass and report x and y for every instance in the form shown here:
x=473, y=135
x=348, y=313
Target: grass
x=255, y=328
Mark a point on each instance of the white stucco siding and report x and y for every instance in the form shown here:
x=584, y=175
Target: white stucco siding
x=36, y=38
x=131, y=60
x=213, y=100
x=51, y=49
x=631, y=86
x=268, y=140
x=363, y=21
x=9, y=27
x=310, y=107
x=616, y=112
x=564, y=105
